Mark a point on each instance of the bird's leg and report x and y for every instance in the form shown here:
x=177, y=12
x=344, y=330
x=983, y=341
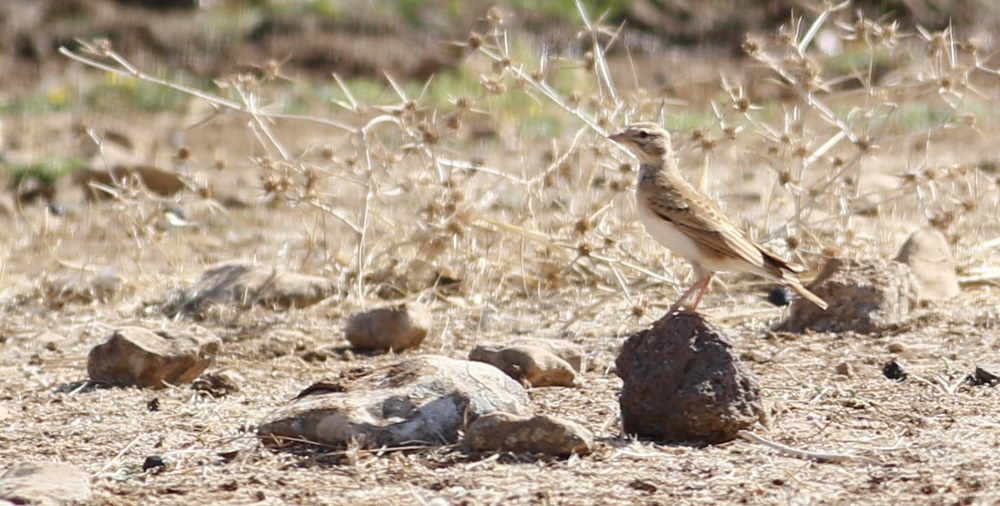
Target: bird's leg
x=702, y=285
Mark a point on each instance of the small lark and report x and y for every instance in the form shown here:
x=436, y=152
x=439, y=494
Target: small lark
x=692, y=225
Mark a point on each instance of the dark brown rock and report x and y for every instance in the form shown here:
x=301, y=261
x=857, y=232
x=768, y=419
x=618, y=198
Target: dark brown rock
x=154, y=179
x=929, y=257
x=45, y=483
x=533, y=365
x=540, y=434
x=865, y=296
x=134, y=356
x=395, y=328
x=684, y=383
x=243, y=285
x=424, y=399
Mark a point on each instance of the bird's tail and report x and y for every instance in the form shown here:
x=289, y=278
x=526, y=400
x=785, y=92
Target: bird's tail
x=806, y=294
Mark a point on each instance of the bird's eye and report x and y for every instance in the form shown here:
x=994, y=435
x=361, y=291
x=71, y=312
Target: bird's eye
x=643, y=134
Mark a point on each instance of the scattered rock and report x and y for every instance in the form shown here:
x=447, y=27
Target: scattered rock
x=134, y=356
x=156, y=180
x=423, y=399
x=684, y=383
x=534, y=365
x=81, y=288
x=896, y=347
x=543, y=434
x=865, y=296
x=395, y=328
x=154, y=463
x=244, y=285
x=844, y=369
x=45, y=483
x=218, y=384
x=780, y=296
x=894, y=370
x=986, y=374
x=574, y=354
x=928, y=255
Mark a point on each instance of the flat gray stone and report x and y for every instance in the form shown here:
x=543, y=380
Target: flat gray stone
x=242, y=285
x=423, y=400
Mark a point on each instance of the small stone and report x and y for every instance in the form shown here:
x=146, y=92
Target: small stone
x=156, y=180
x=684, y=383
x=574, y=354
x=424, y=399
x=929, y=257
x=243, y=285
x=134, y=356
x=987, y=374
x=218, y=384
x=865, y=296
x=536, y=366
x=154, y=462
x=896, y=347
x=780, y=296
x=394, y=328
x=540, y=434
x=45, y=483
x=894, y=370
x=844, y=369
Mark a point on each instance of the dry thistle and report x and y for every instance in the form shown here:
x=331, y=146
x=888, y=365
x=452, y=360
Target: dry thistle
x=583, y=249
x=220, y=164
x=475, y=41
x=638, y=311
x=793, y=242
x=752, y=46
x=582, y=226
x=494, y=16
x=183, y=153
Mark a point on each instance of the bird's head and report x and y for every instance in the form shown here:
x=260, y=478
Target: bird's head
x=649, y=141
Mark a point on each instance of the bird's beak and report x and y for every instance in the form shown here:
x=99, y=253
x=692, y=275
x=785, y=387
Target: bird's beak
x=618, y=137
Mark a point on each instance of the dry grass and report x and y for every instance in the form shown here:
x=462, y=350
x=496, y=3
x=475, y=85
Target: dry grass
x=538, y=227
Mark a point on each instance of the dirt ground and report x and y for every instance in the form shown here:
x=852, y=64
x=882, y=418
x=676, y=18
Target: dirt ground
x=539, y=247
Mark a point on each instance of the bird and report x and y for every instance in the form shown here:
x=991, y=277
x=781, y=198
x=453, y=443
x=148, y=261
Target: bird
x=685, y=221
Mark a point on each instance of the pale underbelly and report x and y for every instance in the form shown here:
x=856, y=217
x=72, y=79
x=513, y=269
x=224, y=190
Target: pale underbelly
x=680, y=244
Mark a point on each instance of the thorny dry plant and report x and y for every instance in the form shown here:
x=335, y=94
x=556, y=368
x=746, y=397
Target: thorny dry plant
x=814, y=167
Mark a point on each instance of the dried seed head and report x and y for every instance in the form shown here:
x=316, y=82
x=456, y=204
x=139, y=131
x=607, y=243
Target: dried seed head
x=830, y=251
x=464, y=103
x=588, y=60
x=584, y=249
x=752, y=46
x=575, y=98
x=971, y=45
x=427, y=134
x=494, y=16
x=327, y=153
x=708, y=144
x=865, y=142
x=475, y=41
x=793, y=242
x=742, y=105
x=183, y=153
x=220, y=164
x=838, y=161
x=582, y=226
x=932, y=173
x=785, y=177
x=454, y=122
x=565, y=169
x=538, y=76
x=638, y=311
x=698, y=134
x=969, y=119
x=731, y=132
x=970, y=204
x=800, y=150
x=938, y=42
x=625, y=168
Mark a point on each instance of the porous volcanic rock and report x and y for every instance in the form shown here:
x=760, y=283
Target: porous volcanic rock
x=865, y=296
x=134, y=356
x=684, y=383
x=422, y=400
